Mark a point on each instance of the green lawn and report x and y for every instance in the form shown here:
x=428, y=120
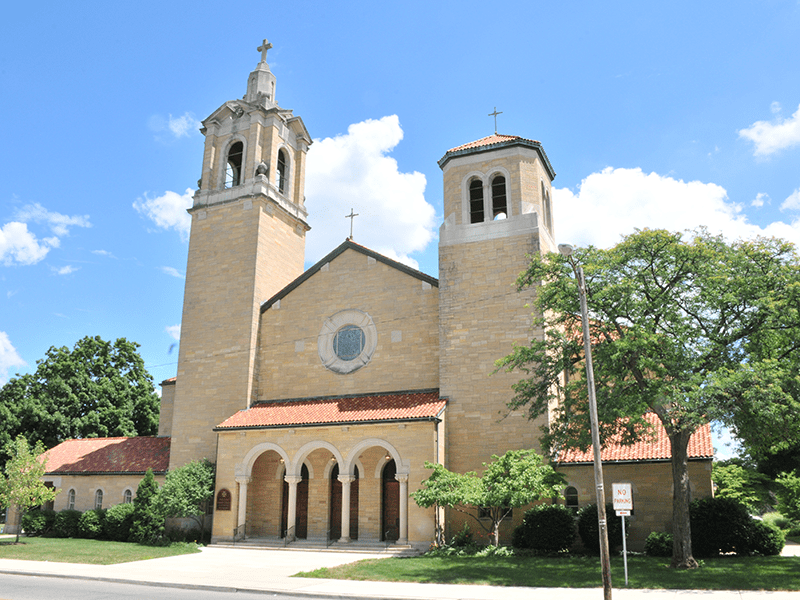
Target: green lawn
x=91, y=552
x=728, y=573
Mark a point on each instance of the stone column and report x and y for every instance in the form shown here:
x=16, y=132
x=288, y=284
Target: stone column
x=403, y=534
x=291, y=517
x=241, y=518
x=346, y=481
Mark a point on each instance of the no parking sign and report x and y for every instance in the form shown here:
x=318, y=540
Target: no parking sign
x=623, y=498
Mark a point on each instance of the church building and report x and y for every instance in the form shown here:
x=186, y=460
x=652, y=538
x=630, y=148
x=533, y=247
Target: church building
x=320, y=394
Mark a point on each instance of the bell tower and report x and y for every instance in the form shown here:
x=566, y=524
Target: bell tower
x=247, y=242
x=497, y=211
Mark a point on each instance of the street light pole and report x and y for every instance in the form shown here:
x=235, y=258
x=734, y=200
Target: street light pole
x=605, y=563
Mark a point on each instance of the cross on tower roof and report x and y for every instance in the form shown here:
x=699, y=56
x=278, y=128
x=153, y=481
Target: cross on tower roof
x=352, y=217
x=491, y=114
x=263, y=49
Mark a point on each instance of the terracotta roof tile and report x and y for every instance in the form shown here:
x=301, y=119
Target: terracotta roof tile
x=320, y=411
x=489, y=140
x=700, y=446
x=109, y=455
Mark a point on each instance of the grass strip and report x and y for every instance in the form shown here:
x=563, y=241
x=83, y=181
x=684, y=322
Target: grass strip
x=90, y=552
x=725, y=573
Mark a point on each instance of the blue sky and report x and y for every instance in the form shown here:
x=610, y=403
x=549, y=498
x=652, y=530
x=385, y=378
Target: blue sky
x=653, y=114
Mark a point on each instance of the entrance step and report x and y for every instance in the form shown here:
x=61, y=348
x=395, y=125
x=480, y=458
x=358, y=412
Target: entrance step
x=319, y=545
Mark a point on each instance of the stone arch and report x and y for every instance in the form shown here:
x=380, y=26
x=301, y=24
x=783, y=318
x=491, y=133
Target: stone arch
x=355, y=452
x=245, y=468
x=300, y=456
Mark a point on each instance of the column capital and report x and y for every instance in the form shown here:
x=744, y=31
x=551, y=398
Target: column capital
x=293, y=479
x=243, y=480
x=347, y=478
x=402, y=477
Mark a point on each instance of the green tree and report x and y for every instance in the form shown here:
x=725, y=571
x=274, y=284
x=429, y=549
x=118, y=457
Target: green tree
x=789, y=495
x=676, y=325
x=96, y=389
x=516, y=479
x=148, y=520
x=186, y=491
x=744, y=485
x=22, y=485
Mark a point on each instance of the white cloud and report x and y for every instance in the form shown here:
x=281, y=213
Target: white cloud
x=354, y=171
x=174, y=331
x=59, y=224
x=792, y=202
x=173, y=272
x=760, y=200
x=19, y=245
x=66, y=270
x=171, y=128
x=9, y=357
x=769, y=138
x=168, y=211
x=103, y=253
x=614, y=202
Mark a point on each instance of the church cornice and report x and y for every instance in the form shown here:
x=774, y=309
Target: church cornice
x=348, y=245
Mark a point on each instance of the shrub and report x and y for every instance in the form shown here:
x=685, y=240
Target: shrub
x=719, y=526
x=90, y=524
x=38, y=521
x=66, y=523
x=588, y=528
x=148, y=523
x=658, y=543
x=777, y=519
x=118, y=521
x=546, y=528
x=765, y=539
x=183, y=534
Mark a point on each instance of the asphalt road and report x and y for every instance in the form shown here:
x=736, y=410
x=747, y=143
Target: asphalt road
x=26, y=587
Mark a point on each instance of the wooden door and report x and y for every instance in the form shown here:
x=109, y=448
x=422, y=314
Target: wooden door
x=390, y=513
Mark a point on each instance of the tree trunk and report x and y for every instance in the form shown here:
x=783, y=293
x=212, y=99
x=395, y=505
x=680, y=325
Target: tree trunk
x=681, y=528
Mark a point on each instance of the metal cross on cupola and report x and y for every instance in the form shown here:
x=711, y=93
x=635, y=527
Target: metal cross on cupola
x=493, y=114
x=263, y=49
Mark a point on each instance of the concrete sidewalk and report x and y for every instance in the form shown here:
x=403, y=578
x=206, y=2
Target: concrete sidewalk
x=270, y=571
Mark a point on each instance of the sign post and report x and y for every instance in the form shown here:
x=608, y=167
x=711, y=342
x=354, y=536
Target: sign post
x=623, y=505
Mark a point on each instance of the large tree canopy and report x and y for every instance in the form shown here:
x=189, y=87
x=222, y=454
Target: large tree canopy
x=96, y=389
x=694, y=330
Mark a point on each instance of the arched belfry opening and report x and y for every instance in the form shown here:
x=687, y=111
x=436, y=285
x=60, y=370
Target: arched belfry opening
x=233, y=165
x=476, y=201
x=283, y=171
x=499, y=200
x=336, y=505
x=390, y=503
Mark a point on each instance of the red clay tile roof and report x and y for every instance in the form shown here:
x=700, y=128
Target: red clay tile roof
x=496, y=138
x=494, y=142
x=169, y=381
x=700, y=446
x=404, y=406
x=109, y=455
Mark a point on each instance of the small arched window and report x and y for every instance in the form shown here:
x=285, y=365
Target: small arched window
x=71, y=500
x=233, y=165
x=476, y=201
x=571, y=497
x=98, y=499
x=283, y=171
x=499, y=203
x=127, y=497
